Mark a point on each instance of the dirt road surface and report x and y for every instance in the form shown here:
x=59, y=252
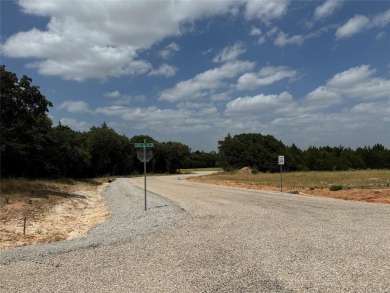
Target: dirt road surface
x=233, y=240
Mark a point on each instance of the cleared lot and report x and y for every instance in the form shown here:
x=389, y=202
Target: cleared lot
x=231, y=240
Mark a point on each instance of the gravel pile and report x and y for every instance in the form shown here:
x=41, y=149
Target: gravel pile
x=128, y=220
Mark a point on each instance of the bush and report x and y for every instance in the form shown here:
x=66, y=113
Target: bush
x=335, y=187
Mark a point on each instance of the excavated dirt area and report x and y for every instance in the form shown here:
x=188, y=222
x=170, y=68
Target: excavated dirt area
x=367, y=195
x=62, y=215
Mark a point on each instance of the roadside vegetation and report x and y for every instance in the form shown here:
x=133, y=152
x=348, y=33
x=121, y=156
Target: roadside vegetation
x=361, y=185
x=360, y=179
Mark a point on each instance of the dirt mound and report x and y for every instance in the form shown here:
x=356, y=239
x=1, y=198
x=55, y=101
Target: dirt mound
x=245, y=170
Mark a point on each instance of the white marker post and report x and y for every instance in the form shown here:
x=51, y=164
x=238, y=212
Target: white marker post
x=281, y=163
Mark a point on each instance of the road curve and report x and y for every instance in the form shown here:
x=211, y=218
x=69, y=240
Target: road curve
x=233, y=240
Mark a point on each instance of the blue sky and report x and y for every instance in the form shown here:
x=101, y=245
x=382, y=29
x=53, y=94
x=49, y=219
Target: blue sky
x=307, y=72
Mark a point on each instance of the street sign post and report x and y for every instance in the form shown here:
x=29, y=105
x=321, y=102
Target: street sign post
x=281, y=163
x=144, y=155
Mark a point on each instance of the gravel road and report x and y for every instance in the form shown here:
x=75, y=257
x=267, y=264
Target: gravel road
x=205, y=238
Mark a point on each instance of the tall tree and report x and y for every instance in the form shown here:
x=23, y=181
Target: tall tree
x=110, y=152
x=25, y=129
x=72, y=153
x=250, y=149
x=175, y=154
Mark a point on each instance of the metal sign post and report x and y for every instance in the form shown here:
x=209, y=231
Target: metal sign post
x=145, y=170
x=145, y=156
x=281, y=163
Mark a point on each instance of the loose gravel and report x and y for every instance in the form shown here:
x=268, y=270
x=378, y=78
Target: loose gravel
x=128, y=220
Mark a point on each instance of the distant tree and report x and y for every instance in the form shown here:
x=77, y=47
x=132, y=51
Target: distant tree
x=175, y=154
x=376, y=157
x=25, y=129
x=72, y=153
x=250, y=149
x=294, y=160
x=110, y=152
x=201, y=159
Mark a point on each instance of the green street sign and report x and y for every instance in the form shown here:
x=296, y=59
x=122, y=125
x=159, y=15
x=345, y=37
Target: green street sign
x=144, y=145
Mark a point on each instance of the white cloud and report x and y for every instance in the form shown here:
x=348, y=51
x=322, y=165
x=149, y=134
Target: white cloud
x=381, y=19
x=255, y=32
x=114, y=94
x=100, y=39
x=169, y=50
x=230, y=53
x=266, y=10
x=123, y=99
x=360, y=82
x=283, y=39
x=163, y=120
x=266, y=76
x=352, y=26
x=360, y=23
x=381, y=35
x=321, y=97
x=259, y=103
x=373, y=108
x=355, y=83
x=77, y=107
x=326, y=9
x=205, y=83
x=76, y=125
x=165, y=70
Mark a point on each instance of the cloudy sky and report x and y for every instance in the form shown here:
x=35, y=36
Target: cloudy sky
x=307, y=72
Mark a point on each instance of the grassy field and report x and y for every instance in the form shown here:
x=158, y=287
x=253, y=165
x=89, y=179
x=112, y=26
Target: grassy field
x=362, y=179
x=362, y=185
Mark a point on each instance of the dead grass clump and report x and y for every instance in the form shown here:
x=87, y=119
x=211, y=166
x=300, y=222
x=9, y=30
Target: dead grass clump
x=245, y=171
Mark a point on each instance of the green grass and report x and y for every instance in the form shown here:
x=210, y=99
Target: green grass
x=348, y=179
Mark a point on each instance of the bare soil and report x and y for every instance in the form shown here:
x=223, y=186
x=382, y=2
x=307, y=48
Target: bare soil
x=53, y=217
x=366, y=195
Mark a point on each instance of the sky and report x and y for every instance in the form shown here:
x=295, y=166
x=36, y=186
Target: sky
x=312, y=73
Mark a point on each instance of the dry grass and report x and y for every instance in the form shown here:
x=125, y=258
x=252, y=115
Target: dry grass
x=363, y=185
x=55, y=210
x=362, y=179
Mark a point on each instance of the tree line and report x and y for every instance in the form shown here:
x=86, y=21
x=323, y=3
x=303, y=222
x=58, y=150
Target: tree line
x=260, y=152
x=32, y=147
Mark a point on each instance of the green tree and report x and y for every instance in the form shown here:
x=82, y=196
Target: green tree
x=175, y=154
x=72, y=153
x=110, y=152
x=250, y=149
x=293, y=159
x=25, y=129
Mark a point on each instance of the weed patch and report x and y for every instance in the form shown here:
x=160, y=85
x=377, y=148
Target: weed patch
x=335, y=187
